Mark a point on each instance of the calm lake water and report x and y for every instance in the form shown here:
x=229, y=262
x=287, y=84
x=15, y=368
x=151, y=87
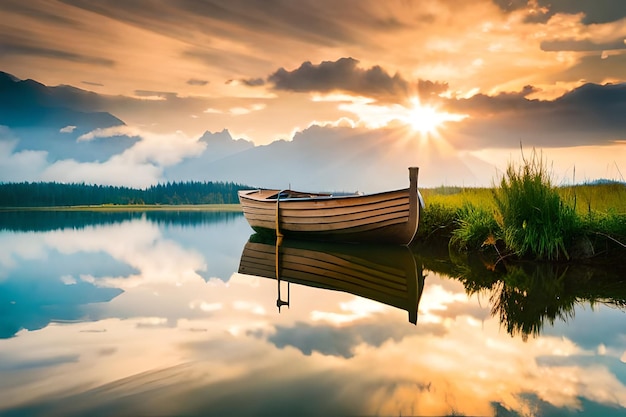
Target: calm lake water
x=149, y=314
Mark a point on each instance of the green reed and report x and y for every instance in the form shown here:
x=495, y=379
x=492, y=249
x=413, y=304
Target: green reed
x=475, y=227
x=526, y=216
x=533, y=219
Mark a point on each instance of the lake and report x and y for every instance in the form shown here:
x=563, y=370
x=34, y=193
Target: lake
x=148, y=314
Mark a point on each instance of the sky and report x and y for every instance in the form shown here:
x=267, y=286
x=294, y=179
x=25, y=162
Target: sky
x=472, y=80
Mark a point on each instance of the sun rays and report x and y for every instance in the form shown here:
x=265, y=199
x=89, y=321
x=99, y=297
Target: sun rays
x=428, y=119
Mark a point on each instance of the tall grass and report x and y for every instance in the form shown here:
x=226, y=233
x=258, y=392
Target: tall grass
x=590, y=198
x=533, y=219
x=475, y=227
x=437, y=220
x=525, y=213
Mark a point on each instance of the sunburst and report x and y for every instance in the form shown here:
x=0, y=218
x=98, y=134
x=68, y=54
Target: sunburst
x=428, y=119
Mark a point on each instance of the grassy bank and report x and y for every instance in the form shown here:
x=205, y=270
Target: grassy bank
x=525, y=216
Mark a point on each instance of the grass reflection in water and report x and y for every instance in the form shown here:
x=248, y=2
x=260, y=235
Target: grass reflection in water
x=528, y=295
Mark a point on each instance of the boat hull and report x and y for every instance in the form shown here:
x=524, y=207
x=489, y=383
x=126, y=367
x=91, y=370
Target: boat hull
x=390, y=217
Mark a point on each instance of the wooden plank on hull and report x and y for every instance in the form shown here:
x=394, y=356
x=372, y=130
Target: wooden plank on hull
x=292, y=210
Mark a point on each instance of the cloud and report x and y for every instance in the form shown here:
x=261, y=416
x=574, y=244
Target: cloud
x=253, y=82
x=313, y=20
x=484, y=104
x=52, y=16
x=337, y=341
x=162, y=149
x=155, y=95
x=427, y=88
x=139, y=165
x=9, y=47
x=344, y=75
x=582, y=45
x=340, y=75
x=115, y=171
x=195, y=81
x=20, y=166
x=67, y=129
x=599, y=11
x=589, y=115
x=93, y=83
x=591, y=67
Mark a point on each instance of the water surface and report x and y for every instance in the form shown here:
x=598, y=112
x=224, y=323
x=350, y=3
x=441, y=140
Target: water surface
x=148, y=314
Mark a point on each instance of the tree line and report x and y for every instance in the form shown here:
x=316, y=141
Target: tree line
x=47, y=194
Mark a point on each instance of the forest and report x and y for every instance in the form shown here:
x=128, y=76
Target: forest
x=50, y=194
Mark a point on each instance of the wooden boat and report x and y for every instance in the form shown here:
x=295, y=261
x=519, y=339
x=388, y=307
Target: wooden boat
x=383, y=273
x=389, y=217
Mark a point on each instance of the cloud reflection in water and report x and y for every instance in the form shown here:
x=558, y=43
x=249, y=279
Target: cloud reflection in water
x=174, y=342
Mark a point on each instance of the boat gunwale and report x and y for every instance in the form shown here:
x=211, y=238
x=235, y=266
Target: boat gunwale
x=314, y=196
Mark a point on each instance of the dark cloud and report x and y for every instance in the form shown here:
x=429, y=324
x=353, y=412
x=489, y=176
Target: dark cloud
x=427, y=88
x=253, y=82
x=340, y=75
x=582, y=45
x=162, y=94
x=92, y=83
x=345, y=75
x=195, y=81
x=33, y=10
x=592, y=114
x=8, y=48
x=337, y=341
x=593, y=68
x=483, y=104
x=323, y=22
x=511, y=5
x=597, y=11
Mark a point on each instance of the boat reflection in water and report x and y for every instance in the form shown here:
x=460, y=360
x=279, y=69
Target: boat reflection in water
x=383, y=273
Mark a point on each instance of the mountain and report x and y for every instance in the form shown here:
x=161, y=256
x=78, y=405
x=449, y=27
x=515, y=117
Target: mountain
x=218, y=145
x=336, y=159
x=52, y=119
x=27, y=103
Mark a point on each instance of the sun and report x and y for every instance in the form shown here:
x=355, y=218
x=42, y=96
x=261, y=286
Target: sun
x=427, y=119
x=424, y=119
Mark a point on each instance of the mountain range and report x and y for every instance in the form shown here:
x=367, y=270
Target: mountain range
x=51, y=119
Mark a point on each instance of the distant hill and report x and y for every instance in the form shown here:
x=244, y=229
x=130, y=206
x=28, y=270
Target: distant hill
x=28, y=103
x=51, y=119
x=605, y=181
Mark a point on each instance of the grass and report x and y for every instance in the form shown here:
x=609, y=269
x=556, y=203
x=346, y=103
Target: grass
x=527, y=217
x=533, y=219
x=594, y=198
